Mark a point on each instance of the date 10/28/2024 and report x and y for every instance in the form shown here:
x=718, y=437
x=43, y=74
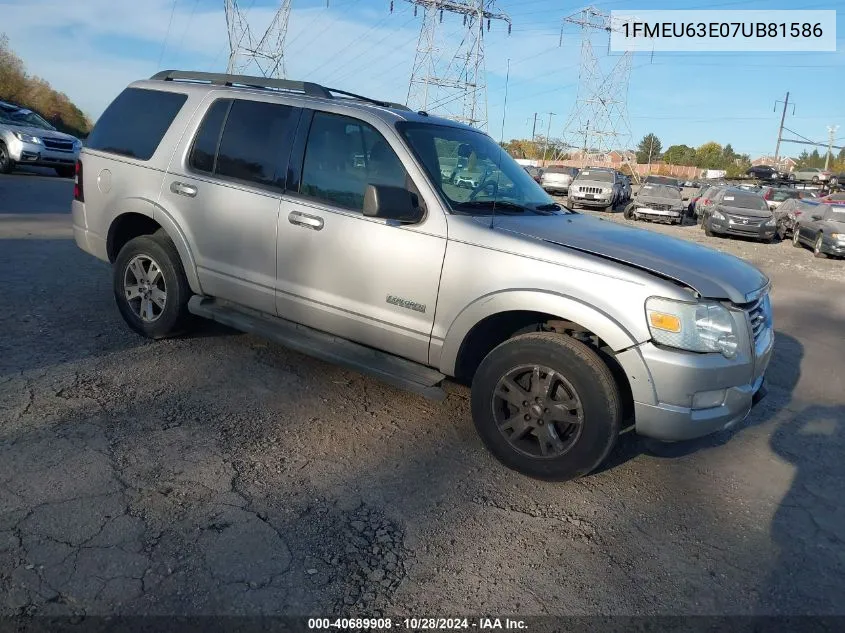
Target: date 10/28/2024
x=418, y=624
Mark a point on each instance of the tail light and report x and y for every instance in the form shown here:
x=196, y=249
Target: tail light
x=78, y=193
x=706, y=202
x=767, y=195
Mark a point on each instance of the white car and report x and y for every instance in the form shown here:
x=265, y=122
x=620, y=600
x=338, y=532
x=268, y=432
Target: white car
x=27, y=139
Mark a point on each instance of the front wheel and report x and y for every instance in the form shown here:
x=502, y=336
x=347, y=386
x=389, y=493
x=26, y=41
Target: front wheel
x=547, y=406
x=707, y=230
x=815, y=179
x=629, y=212
x=150, y=286
x=796, y=237
x=6, y=162
x=818, y=246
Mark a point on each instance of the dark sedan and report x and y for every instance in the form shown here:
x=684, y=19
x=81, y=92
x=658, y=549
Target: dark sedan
x=824, y=230
x=738, y=212
x=764, y=172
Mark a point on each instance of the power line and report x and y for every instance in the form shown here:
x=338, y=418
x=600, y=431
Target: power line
x=166, y=35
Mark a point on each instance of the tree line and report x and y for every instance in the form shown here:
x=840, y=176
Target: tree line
x=36, y=94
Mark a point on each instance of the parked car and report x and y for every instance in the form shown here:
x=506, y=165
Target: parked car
x=27, y=139
x=765, y=172
x=737, y=212
x=811, y=174
x=823, y=228
x=556, y=179
x=565, y=325
x=660, y=203
x=749, y=187
x=775, y=195
x=788, y=214
x=535, y=172
x=705, y=200
x=595, y=187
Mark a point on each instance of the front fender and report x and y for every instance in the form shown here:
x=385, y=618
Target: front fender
x=561, y=306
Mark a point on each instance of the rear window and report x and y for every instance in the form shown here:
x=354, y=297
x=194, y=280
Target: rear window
x=134, y=124
x=560, y=170
x=779, y=195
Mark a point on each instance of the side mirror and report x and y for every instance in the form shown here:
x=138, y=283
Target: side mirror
x=392, y=203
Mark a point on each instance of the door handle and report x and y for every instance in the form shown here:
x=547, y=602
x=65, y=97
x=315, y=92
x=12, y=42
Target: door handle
x=182, y=189
x=303, y=219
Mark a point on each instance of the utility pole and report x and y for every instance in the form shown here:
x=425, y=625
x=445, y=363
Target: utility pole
x=780, y=129
x=534, y=128
x=831, y=130
x=546, y=143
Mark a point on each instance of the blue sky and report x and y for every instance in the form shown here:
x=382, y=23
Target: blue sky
x=91, y=49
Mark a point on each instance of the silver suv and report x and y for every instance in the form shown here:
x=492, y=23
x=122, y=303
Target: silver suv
x=596, y=188
x=323, y=221
x=27, y=139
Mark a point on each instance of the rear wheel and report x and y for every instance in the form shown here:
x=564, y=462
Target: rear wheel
x=818, y=246
x=6, y=162
x=150, y=286
x=547, y=406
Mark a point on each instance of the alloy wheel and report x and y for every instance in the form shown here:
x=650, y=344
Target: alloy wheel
x=144, y=288
x=538, y=411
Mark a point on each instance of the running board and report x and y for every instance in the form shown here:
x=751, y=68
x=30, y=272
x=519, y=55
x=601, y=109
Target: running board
x=393, y=370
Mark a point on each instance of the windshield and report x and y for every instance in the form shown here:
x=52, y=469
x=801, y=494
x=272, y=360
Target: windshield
x=660, y=191
x=472, y=171
x=595, y=175
x=662, y=180
x=745, y=201
x=779, y=195
x=25, y=118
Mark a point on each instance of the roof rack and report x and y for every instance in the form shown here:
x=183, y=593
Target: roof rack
x=305, y=87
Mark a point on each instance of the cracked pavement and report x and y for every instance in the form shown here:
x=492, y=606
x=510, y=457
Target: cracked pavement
x=222, y=474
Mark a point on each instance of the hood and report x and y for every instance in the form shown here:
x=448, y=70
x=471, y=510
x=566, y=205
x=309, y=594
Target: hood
x=748, y=213
x=585, y=182
x=658, y=199
x=711, y=273
x=40, y=132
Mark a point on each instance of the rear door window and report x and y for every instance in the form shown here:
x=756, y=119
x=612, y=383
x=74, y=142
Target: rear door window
x=135, y=122
x=204, y=149
x=255, y=143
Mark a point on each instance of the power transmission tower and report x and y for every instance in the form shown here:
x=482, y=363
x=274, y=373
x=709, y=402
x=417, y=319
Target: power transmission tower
x=449, y=80
x=831, y=132
x=598, y=122
x=249, y=54
x=780, y=129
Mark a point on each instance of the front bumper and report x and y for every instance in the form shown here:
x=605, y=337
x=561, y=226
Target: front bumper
x=38, y=155
x=664, y=408
x=591, y=202
x=833, y=247
x=725, y=227
x=645, y=213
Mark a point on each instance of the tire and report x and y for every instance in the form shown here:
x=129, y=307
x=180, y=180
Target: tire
x=65, y=172
x=815, y=179
x=159, y=322
x=817, y=248
x=569, y=203
x=707, y=231
x=6, y=162
x=573, y=447
x=796, y=239
x=629, y=212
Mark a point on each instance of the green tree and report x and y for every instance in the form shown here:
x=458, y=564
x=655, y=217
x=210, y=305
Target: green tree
x=649, y=149
x=679, y=155
x=709, y=156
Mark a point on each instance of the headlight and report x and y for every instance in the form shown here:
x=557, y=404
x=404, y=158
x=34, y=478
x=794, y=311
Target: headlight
x=718, y=215
x=705, y=326
x=770, y=222
x=838, y=236
x=26, y=138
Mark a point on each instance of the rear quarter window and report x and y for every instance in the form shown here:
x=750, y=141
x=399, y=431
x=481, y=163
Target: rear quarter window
x=135, y=122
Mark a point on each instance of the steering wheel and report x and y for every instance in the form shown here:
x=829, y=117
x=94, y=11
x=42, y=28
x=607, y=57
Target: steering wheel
x=484, y=184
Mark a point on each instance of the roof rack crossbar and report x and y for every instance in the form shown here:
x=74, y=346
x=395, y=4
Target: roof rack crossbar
x=306, y=87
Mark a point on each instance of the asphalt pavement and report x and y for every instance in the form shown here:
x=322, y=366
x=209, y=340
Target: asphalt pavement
x=222, y=474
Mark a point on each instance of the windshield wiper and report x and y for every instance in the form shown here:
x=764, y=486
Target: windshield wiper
x=503, y=205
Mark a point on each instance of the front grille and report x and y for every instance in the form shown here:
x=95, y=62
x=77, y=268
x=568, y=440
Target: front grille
x=589, y=189
x=659, y=207
x=58, y=144
x=759, y=315
x=740, y=221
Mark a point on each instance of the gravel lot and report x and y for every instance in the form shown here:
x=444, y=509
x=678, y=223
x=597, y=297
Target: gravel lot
x=221, y=474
